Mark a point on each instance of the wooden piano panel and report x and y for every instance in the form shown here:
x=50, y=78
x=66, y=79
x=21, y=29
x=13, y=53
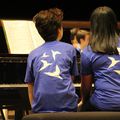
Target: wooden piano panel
x=12, y=68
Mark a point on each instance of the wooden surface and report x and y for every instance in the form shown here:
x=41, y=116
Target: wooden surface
x=71, y=24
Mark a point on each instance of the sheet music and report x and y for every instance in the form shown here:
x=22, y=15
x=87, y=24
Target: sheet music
x=21, y=36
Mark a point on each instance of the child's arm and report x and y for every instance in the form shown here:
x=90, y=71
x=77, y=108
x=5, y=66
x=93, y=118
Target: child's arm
x=86, y=88
x=30, y=92
x=72, y=77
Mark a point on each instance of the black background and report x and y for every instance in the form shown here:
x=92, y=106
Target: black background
x=73, y=9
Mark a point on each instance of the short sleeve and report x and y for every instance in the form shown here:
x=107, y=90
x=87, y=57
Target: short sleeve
x=74, y=66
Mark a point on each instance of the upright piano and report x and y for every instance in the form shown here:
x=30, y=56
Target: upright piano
x=13, y=91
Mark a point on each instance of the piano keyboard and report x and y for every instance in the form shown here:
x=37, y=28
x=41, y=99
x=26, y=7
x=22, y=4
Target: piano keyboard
x=13, y=85
x=77, y=85
x=13, y=60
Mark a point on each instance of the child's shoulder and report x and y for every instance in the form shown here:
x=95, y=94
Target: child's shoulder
x=87, y=51
x=66, y=44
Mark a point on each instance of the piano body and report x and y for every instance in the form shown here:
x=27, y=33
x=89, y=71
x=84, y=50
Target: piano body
x=13, y=91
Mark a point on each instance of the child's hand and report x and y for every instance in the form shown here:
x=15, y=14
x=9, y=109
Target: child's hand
x=80, y=104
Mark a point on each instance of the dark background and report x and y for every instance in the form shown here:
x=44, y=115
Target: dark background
x=73, y=9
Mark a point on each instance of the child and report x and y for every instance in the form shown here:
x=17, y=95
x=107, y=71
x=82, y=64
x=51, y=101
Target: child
x=51, y=67
x=83, y=37
x=101, y=62
x=75, y=43
x=79, y=38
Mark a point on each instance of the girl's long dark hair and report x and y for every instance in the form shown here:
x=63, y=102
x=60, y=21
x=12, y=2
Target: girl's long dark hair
x=104, y=32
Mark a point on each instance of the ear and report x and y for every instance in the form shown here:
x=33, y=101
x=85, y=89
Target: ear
x=58, y=31
x=81, y=40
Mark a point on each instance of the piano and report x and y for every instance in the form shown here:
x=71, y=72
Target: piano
x=12, y=68
x=13, y=91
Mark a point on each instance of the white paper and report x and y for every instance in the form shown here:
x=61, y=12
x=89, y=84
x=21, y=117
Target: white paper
x=21, y=36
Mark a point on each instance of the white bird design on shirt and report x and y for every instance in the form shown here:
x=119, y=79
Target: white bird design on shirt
x=117, y=71
x=45, y=64
x=56, y=73
x=44, y=55
x=113, y=62
x=118, y=50
x=54, y=53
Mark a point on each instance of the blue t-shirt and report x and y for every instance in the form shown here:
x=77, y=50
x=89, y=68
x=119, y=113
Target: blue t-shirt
x=106, y=73
x=50, y=67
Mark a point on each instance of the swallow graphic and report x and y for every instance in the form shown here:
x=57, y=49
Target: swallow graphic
x=44, y=55
x=117, y=71
x=118, y=50
x=54, y=53
x=113, y=62
x=56, y=73
x=45, y=64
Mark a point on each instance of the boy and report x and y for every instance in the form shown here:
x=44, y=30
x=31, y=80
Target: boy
x=51, y=67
